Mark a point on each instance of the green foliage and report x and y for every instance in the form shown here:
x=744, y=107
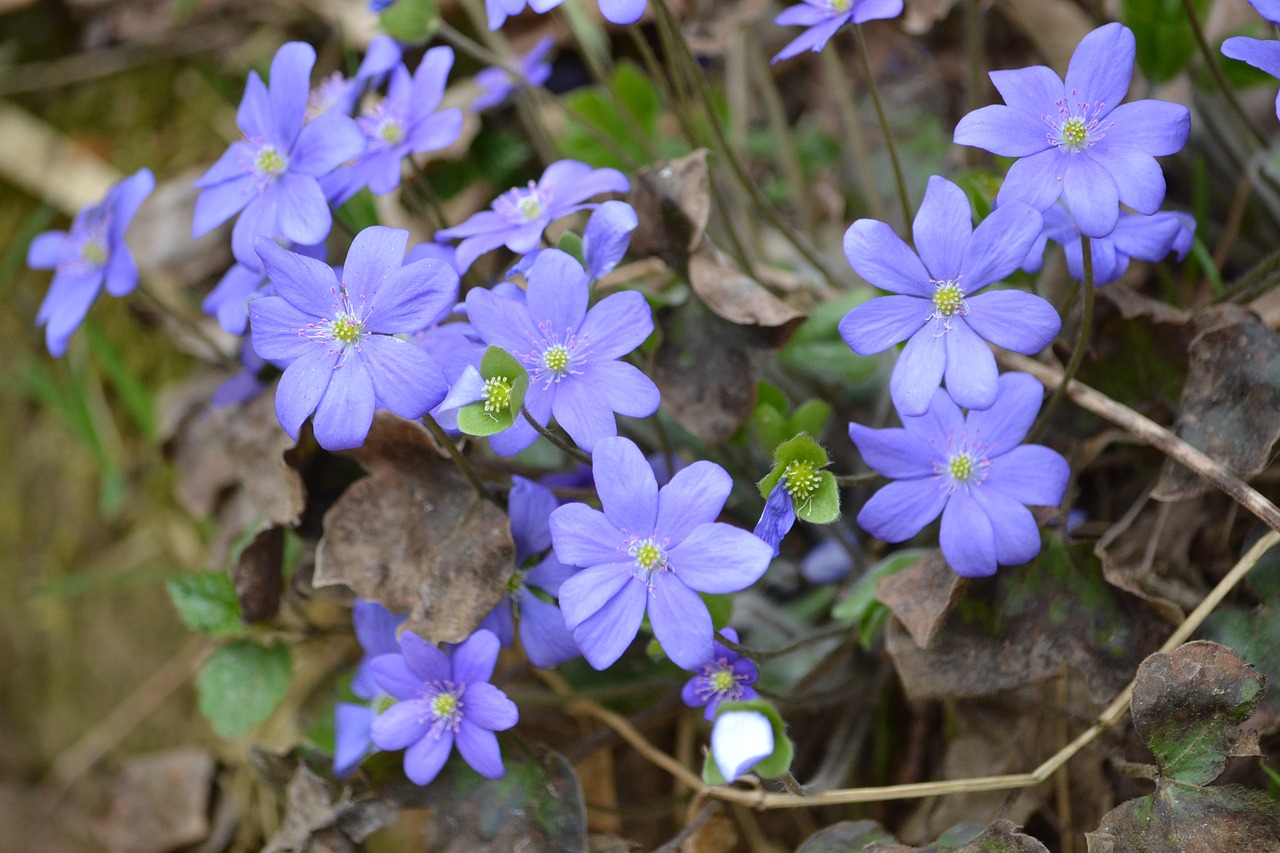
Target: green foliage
x=771, y=424
x=504, y=377
x=206, y=602
x=817, y=499
x=816, y=349
x=411, y=21
x=495, y=157
x=861, y=608
x=359, y=212
x=241, y=684
x=572, y=244
x=770, y=767
x=597, y=115
x=1163, y=32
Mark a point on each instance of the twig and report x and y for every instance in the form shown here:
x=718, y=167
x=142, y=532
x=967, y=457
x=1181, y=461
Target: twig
x=683, y=835
x=463, y=463
x=569, y=449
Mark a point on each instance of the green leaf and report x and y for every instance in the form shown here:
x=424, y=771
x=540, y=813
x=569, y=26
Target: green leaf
x=1188, y=817
x=241, y=684
x=572, y=244
x=206, y=602
x=411, y=21
x=823, y=506
x=496, y=364
x=861, y=607
x=801, y=449
x=1164, y=36
x=359, y=212
x=816, y=349
x=810, y=416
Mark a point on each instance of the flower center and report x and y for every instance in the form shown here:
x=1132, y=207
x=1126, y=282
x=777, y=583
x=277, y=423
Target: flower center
x=270, y=163
x=840, y=6
x=948, y=299
x=346, y=329
x=650, y=557
x=93, y=252
x=324, y=96
x=496, y=394
x=722, y=681
x=801, y=481
x=441, y=705
x=554, y=356
x=384, y=125
x=719, y=682
x=1077, y=126
x=1074, y=133
x=524, y=205
x=555, y=359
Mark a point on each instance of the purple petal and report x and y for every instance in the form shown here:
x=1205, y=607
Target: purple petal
x=530, y=506
x=520, y=434
x=437, y=131
x=305, y=283
x=549, y=574
x=1013, y=319
x=393, y=676
x=324, y=144
x=1263, y=54
x=501, y=621
x=875, y=10
x=277, y=329
x=557, y=294
x=918, y=372
x=302, y=386
x=501, y=322
x=814, y=39
x=216, y=204
x=584, y=594
x=1033, y=90
x=1154, y=127
x=1092, y=196
x=235, y=162
x=616, y=325
x=1037, y=179
x=483, y=222
x=254, y=116
x=400, y=725
x=622, y=11
x=680, y=622
x=1003, y=130
x=802, y=15
x=901, y=509
x=345, y=412
x=375, y=253
x=623, y=387
x=607, y=236
x=376, y=627
x=626, y=485
x=424, y=659
x=260, y=218
x=581, y=413
x=473, y=247
x=967, y=540
x=940, y=423
x=694, y=496
x=604, y=635
x=720, y=558
x=544, y=634
x=1148, y=238
x=777, y=519
x=474, y=658
x=126, y=197
x=1269, y=9
x=878, y=324
x=879, y=255
x=424, y=759
x=303, y=210
x=1138, y=177
x=942, y=228
x=1002, y=427
x=290, y=89
x=1017, y=539
x=1102, y=67
x=971, y=368
x=584, y=537
x=351, y=736
x=1000, y=245
x=405, y=379
x=48, y=250
x=65, y=306
x=479, y=748
x=1030, y=474
x=122, y=272
x=429, y=81
x=895, y=453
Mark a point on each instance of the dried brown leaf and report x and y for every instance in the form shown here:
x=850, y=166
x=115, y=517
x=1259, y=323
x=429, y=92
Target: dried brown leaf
x=736, y=296
x=705, y=371
x=1190, y=819
x=672, y=200
x=1151, y=557
x=415, y=537
x=315, y=819
x=1000, y=837
x=1131, y=304
x=921, y=596
x=258, y=575
x=160, y=802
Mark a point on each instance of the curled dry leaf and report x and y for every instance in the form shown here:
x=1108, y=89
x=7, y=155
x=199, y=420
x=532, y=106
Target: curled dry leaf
x=1230, y=405
x=159, y=802
x=415, y=537
x=1130, y=303
x=315, y=819
x=1191, y=819
x=705, y=371
x=921, y=596
x=673, y=202
x=258, y=575
x=1151, y=557
x=1000, y=837
x=736, y=296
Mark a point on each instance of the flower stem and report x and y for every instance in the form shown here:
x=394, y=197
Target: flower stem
x=463, y=463
x=884, y=125
x=1082, y=344
x=571, y=451
x=171, y=311
x=857, y=153
x=1219, y=78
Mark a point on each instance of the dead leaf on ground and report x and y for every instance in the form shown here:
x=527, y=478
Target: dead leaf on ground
x=1191, y=820
x=736, y=296
x=1230, y=405
x=159, y=802
x=845, y=837
x=415, y=537
x=1131, y=304
x=315, y=818
x=705, y=371
x=259, y=577
x=672, y=200
x=1151, y=557
x=921, y=596
x=866, y=836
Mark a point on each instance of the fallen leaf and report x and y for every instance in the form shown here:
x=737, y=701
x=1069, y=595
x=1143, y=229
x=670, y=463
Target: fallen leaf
x=414, y=537
x=258, y=576
x=1000, y=837
x=921, y=596
x=1191, y=819
x=847, y=836
x=734, y=295
x=1132, y=304
x=313, y=814
x=1151, y=557
x=672, y=200
x=159, y=802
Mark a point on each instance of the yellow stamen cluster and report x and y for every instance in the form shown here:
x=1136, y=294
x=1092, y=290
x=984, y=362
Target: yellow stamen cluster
x=270, y=162
x=556, y=358
x=1074, y=133
x=723, y=680
x=960, y=467
x=345, y=329
x=647, y=555
x=496, y=394
x=444, y=706
x=948, y=298
x=802, y=480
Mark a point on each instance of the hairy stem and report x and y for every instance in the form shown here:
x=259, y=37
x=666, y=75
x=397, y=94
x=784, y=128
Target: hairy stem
x=1082, y=344
x=903, y=196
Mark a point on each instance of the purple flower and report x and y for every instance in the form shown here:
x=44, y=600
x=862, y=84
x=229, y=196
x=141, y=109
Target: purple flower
x=543, y=634
x=650, y=550
x=445, y=698
x=91, y=254
x=499, y=10
x=338, y=339
x=570, y=352
x=376, y=630
x=1260, y=53
x=607, y=236
x=778, y=518
x=1269, y=9
x=824, y=18
x=724, y=677
x=271, y=177
x=519, y=216
x=622, y=11
x=339, y=93
x=1075, y=140
x=826, y=562
x=405, y=122
x=245, y=385
x=498, y=83
x=1147, y=238
x=229, y=300
x=935, y=307
x=972, y=470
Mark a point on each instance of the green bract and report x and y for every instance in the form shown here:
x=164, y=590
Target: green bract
x=777, y=764
x=505, y=384
x=814, y=493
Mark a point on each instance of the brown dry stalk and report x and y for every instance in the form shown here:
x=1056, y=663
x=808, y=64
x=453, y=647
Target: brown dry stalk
x=1141, y=427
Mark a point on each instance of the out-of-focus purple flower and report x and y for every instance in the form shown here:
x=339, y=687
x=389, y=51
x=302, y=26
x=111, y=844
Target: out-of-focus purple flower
x=826, y=562
x=272, y=176
x=778, y=518
x=92, y=254
x=380, y=6
x=245, y=385
x=1075, y=139
x=340, y=93
x=824, y=18
x=376, y=630
x=607, y=236
x=498, y=11
x=498, y=83
x=724, y=677
x=571, y=353
x=650, y=550
x=935, y=308
x=1269, y=9
x=519, y=216
x=1260, y=53
x=1147, y=238
x=339, y=339
x=543, y=634
x=405, y=122
x=973, y=470
x=229, y=300
x=445, y=698
x=739, y=741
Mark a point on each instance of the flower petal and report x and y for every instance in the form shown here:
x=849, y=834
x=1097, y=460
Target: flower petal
x=1154, y=127
x=878, y=324
x=302, y=386
x=918, y=372
x=1102, y=67
x=375, y=253
x=879, y=255
x=424, y=659
x=971, y=368
x=1005, y=424
x=530, y=506
x=896, y=453
x=277, y=329
x=1013, y=528
x=324, y=144
x=218, y=203
x=623, y=387
x=901, y=509
x=290, y=89
x=1000, y=245
x=351, y=736
x=680, y=621
x=584, y=537
x=942, y=229
x=479, y=747
x=967, y=540
x=622, y=11
x=544, y=634
x=1030, y=474
x=580, y=412
x=1138, y=177
x=1036, y=180
x=694, y=496
x=345, y=412
x=626, y=485
x=720, y=558
x=616, y=325
x=557, y=294
x=1014, y=319
x=501, y=322
x=473, y=659
x=587, y=592
x=424, y=759
x=740, y=740
x=303, y=210
x=400, y=725
x=1002, y=130
x=392, y=675
x=1033, y=90
x=1090, y=192
x=305, y=283
x=604, y=635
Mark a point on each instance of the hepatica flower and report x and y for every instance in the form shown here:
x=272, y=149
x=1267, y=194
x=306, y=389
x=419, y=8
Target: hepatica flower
x=339, y=338
x=1147, y=238
x=445, y=699
x=340, y=93
x=935, y=308
x=724, y=677
x=824, y=18
x=543, y=634
x=614, y=11
x=91, y=255
x=271, y=177
x=1260, y=53
x=498, y=83
x=973, y=470
x=652, y=551
x=1074, y=137
x=519, y=216
x=376, y=630
x=571, y=353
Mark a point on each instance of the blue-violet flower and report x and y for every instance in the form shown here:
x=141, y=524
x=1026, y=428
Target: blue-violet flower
x=497, y=83
x=1147, y=238
x=376, y=630
x=824, y=18
x=725, y=677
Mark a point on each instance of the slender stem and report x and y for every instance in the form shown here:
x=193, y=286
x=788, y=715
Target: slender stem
x=1082, y=344
x=856, y=479
x=795, y=645
x=903, y=196
x=1219, y=78
x=569, y=449
x=463, y=463
x=857, y=152
x=189, y=325
x=776, y=114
